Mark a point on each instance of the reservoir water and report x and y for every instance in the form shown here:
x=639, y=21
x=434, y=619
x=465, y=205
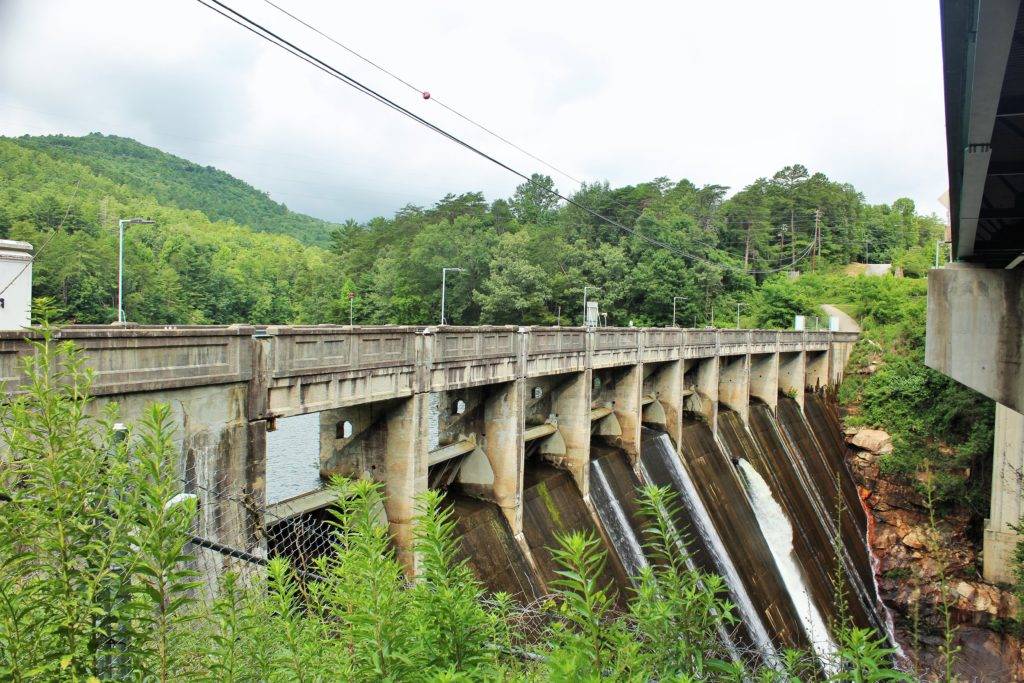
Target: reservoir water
x=293, y=457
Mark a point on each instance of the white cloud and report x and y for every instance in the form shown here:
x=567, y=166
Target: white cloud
x=715, y=92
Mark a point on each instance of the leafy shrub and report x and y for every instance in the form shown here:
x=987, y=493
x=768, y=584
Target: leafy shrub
x=95, y=580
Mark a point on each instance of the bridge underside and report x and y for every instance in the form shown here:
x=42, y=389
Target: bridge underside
x=974, y=305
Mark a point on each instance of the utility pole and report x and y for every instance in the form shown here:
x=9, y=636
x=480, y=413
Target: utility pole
x=738, y=305
x=792, y=236
x=558, y=319
x=746, y=246
x=351, y=299
x=444, y=284
x=121, y=224
x=816, y=247
x=674, y=300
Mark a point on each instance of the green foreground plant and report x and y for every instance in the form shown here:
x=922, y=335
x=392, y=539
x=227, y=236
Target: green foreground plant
x=96, y=580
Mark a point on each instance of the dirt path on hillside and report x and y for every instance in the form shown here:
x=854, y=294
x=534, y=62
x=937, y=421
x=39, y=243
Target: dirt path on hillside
x=846, y=323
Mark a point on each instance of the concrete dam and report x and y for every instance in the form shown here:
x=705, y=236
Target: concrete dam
x=532, y=432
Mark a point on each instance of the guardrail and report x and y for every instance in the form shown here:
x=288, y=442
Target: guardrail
x=462, y=343
x=542, y=340
x=615, y=338
x=323, y=349
x=297, y=368
x=132, y=359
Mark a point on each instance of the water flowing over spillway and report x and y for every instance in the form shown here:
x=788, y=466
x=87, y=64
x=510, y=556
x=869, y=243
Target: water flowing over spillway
x=614, y=520
x=814, y=508
x=552, y=506
x=613, y=492
x=766, y=503
x=662, y=466
x=778, y=532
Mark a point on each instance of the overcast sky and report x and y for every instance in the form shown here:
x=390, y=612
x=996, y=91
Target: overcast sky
x=721, y=92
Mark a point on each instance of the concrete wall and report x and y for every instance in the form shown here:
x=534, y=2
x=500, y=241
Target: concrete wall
x=764, y=378
x=1007, y=504
x=974, y=330
x=974, y=336
x=398, y=387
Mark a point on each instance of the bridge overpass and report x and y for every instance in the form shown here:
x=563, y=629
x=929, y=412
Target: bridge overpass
x=975, y=305
x=415, y=407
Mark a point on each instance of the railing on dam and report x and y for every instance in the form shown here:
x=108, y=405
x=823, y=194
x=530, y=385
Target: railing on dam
x=300, y=369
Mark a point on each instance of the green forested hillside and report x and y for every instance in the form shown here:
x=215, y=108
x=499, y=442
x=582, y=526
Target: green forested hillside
x=184, y=269
x=177, y=182
x=526, y=258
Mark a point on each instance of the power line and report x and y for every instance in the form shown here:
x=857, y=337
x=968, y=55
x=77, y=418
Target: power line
x=427, y=95
x=633, y=214
x=266, y=34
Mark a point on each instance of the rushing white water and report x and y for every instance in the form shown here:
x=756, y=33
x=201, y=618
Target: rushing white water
x=778, y=533
x=713, y=541
x=723, y=634
x=616, y=524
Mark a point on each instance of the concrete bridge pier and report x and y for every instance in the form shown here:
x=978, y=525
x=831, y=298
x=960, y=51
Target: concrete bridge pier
x=764, y=378
x=570, y=403
x=817, y=372
x=793, y=375
x=734, y=384
x=405, y=471
x=1007, y=505
x=628, y=405
x=700, y=389
x=503, y=432
x=663, y=396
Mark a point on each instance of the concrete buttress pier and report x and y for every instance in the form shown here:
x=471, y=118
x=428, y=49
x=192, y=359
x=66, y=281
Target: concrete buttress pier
x=416, y=408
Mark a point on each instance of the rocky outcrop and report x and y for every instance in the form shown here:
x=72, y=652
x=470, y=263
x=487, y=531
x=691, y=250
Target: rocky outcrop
x=872, y=440
x=925, y=565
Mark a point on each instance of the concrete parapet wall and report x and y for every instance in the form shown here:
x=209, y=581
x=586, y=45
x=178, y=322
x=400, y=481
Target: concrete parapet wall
x=141, y=359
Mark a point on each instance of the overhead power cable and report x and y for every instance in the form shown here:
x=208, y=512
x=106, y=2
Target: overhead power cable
x=266, y=34
x=632, y=212
x=423, y=93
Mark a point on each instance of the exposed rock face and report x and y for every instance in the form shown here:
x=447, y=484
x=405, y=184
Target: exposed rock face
x=873, y=440
x=921, y=567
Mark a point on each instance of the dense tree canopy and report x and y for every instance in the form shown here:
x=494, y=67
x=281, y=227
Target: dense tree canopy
x=525, y=259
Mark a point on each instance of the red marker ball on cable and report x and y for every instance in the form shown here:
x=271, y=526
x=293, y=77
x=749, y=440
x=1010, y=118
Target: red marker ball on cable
x=426, y=95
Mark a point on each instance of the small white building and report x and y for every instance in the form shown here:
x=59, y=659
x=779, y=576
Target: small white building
x=16, y=276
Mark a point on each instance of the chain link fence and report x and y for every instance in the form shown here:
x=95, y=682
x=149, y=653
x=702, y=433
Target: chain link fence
x=262, y=532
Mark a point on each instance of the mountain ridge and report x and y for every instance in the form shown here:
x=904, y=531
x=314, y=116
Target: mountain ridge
x=178, y=182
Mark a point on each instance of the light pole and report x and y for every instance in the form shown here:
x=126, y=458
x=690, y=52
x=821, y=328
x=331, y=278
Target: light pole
x=120, y=260
x=738, y=305
x=585, y=288
x=444, y=285
x=351, y=299
x=674, y=300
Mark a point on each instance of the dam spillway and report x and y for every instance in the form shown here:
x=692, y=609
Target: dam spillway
x=513, y=423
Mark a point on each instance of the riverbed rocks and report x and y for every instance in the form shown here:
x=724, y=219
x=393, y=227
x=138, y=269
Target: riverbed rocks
x=928, y=565
x=872, y=440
